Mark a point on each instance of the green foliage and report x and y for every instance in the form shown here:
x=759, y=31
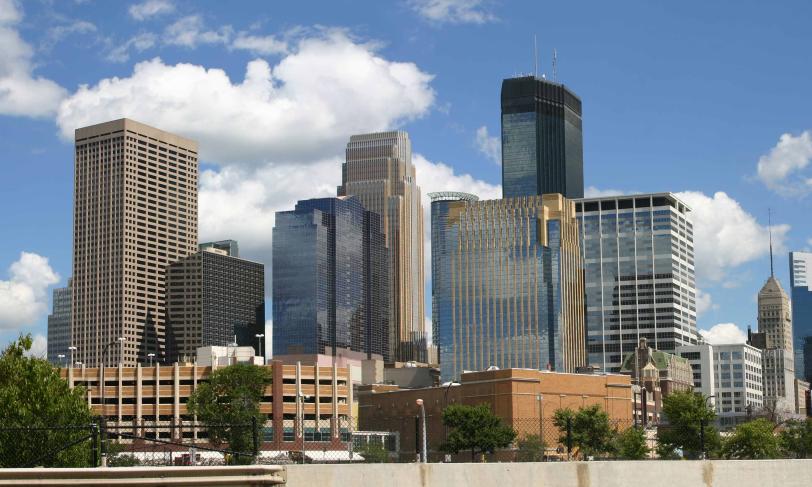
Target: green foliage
x=684, y=413
x=753, y=440
x=32, y=395
x=530, y=449
x=123, y=460
x=475, y=429
x=796, y=438
x=591, y=432
x=630, y=444
x=373, y=453
x=228, y=403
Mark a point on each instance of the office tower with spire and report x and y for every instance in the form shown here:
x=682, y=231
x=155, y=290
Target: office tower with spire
x=542, y=142
x=507, y=283
x=134, y=213
x=775, y=323
x=379, y=172
x=800, y=277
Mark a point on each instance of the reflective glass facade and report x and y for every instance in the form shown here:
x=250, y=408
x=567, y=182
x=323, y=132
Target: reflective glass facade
x=507, y=285
x=330, y=281
x=59, y=327
x=638, y=256
x=800, y=267
x=542, y=142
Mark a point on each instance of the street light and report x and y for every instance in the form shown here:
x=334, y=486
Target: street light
x=260, y=336
x=151, y=356
x=60, y=356
x=72, y=349
x=423, y=452
x=702, y=430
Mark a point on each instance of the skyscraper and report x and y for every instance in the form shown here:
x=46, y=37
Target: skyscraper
x=800, y=277
x=507, y=285
x=775, y=322
x=213, y=297
x=59, y=327
x=135, y=212
x=379, y=172
x=542, y=142
x=638, y=254
x=330, y=291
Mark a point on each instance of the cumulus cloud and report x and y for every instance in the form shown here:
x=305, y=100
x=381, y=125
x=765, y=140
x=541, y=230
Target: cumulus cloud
x=489, y=145
x=140, y=42
x=39, y=347
x=23, y=297
x=781, y=168
x=725, y=235
x=21, y=92
x=724, y=334
x=150, y=8
x=704, y=302
x=453, y=11
x=302, y=109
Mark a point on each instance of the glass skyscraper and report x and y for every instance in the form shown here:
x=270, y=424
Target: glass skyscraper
x=59, y=326
x=638, y=255
x=330, y=281
x=507, y=286
x=800, y=267
x=542, y=143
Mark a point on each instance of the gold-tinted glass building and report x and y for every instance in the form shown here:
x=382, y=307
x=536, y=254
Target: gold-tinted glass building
x=507, y=284
x=135, y=212
x=380, y=173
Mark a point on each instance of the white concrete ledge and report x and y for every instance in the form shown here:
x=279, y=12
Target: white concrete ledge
x=249, y=475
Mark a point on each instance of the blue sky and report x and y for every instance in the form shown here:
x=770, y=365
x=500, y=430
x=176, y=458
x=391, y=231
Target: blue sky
x=707, y=99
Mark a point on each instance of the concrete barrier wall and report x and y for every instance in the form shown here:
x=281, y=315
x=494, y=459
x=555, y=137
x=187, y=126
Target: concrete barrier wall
x=731, y=473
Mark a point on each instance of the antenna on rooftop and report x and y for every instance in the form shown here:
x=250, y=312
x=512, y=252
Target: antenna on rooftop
x=555, y=65
x=770, y=229
x=535, y=57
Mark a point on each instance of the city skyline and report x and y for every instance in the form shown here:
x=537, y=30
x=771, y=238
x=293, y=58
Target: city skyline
x=444, y=124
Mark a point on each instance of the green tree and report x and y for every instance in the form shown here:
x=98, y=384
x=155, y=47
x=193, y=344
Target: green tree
x=373, y=453
x=475, y=429
x=796, y=438
x=228, y=403
x=33, y=395
x=685, y=412
x=631, y=444
x=530, y=449
x=753, y=440
x=591, y=431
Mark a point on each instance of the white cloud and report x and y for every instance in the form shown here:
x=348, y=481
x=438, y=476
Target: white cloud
x=22, y=93
x=453, y=11
x=191, y=31
x=23, y=298
x=263, y=45
x=302, y=109
x=39, y=347
x=59, y=32
x=725, y=235
x=489, y=145
x=593, y=192
x=724, y=334
x=150, y=8
x=790, y=155
x=139, y=42
x=704, y=302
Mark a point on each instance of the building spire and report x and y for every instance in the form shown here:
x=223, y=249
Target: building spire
x=770, y=229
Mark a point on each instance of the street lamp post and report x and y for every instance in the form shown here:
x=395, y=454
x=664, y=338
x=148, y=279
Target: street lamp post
x=702, y=431
x=71, y=349
x=423, y=453
x=60, y=357
x=102, y=384
x=151, y=356
x=259, y=337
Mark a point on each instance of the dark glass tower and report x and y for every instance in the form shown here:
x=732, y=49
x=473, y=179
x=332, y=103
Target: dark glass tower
x=330, y=280
x=542, y=144
x=800, y=278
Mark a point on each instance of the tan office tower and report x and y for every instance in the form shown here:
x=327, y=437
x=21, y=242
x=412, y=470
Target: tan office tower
x=778, y=365
x=380, y=173
x=134, y=212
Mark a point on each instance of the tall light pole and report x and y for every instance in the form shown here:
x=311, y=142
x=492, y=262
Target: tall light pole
x=60, y=357
x=151, y=356
x=71, y=349
x=260, y=336
x=423, y=452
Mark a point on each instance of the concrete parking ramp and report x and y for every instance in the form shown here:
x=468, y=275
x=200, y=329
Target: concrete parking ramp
x=249, y=475
x=716, y=473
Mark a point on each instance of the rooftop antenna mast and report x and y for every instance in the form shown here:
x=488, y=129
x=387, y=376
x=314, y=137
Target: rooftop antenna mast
x=770, y=229
x=555, y=65
x=535, y=58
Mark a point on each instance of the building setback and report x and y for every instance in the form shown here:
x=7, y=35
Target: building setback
x=330, y=281
x=507, y=285
x=213, y=298
x=135, y=212
x=59, y=327
x=379, y=172
x=800, y=278
x=638, y=254
x=542, y=141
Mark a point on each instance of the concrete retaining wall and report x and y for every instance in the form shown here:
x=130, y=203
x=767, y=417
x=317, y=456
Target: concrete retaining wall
x=731, y=473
